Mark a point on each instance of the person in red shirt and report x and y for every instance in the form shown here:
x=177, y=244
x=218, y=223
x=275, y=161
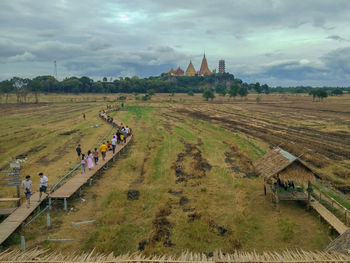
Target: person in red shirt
x=109, y=146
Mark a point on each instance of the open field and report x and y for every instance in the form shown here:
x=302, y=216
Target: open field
x=191, y=163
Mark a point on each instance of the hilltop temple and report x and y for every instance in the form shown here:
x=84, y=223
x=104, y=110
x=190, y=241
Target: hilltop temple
x=204, y=70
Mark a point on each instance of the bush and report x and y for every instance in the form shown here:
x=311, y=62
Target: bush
x=146, y=97
x=122, y=98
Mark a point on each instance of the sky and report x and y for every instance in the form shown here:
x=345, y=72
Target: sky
x=277, y=42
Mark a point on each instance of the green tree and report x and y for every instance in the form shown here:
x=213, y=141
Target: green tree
x=104, y=79
x=243, y=91
x=233, y=90
x=35, y=86
x=190, y=93
x=258, y=88
x=21, y=88
x=208, y=94
x=151, y=92
x=6, y=88
x=221, y=90
x=337, y=92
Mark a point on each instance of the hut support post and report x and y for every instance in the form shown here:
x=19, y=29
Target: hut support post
x=23, y=244
x=277, y=199
x=264, y=189
x=309, y=189
x=65, y=204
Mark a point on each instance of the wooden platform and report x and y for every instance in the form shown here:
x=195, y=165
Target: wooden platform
x=4, y=211
x=77, y=181
x=13, y=221
x=329, y=217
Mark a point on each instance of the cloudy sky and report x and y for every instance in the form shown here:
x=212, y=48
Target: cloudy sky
x=278, y=42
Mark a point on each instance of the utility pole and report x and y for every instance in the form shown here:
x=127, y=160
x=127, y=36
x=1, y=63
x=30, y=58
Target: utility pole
x=55, y=69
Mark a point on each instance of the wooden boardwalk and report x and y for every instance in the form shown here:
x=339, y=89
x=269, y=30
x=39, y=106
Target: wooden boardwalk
x=72, y=185
x=338, y=225
x=77, y=181
x=13, y=221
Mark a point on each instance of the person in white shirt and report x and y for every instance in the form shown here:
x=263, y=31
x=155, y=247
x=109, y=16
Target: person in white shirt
x=43, y=184
x=114, y=143
x=27, y=187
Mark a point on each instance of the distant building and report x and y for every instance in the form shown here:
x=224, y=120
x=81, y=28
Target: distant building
x=190, y=70
x=171, y=72
x=179, y=72
x=204, y=70
x=221, y=66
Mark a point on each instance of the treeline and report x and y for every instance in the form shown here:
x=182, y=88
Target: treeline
x=221, y=83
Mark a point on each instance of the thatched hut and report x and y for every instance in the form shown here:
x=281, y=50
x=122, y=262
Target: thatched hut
x=286, y=176
x=341, y=244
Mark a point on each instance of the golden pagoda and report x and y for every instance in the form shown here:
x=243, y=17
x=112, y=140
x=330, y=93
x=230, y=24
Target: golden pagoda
x=171, y=72
x=204, y=68
x=190, y=72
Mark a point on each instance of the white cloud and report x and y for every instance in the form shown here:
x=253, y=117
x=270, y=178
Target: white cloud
x=26, y=56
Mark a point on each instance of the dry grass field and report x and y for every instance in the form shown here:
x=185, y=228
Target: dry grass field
x=190, y=160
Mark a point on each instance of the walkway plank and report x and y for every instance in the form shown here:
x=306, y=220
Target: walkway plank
x=13, y=221
x=338, y=225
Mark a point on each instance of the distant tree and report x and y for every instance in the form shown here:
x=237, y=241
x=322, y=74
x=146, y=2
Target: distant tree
x=322, y=94
x=104, y=79
x=151, y=92
x=208, y=94
x=21, y=89
x=319, y=93
x=257, y=87
x=35, y=86
x=146, y=97
x=337, y=92
x=190, y=93
x=233, y=90
x=6, y=88
x=172, y=91
x=265, y=88
x=221, y=90
x=243, y=91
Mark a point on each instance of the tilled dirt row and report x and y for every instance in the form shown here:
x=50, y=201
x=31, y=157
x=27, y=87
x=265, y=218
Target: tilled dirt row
x=184, y=178
x=318, y=147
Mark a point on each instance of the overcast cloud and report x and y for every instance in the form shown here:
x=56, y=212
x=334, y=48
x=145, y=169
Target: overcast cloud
x=278, y=42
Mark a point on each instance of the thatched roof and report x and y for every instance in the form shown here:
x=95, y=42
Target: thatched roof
x=296, y=256
x=341, y=244
x=279, y=161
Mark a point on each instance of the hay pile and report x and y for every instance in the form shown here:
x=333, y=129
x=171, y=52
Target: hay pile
x=341, y=244
x=37, y=255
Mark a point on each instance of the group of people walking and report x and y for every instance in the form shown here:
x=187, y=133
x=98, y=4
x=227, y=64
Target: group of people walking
x=27, y=187
x=91, y=159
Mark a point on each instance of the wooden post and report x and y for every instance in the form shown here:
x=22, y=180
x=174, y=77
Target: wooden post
x=50, y=203
x=18, y=195
x=345, y=217
x=23, y=244
x=48, y=220
x=65, y=204
x=264, y=189
x=90, y=182
x=320, y=196
x=277, y=199
x=309, y=189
